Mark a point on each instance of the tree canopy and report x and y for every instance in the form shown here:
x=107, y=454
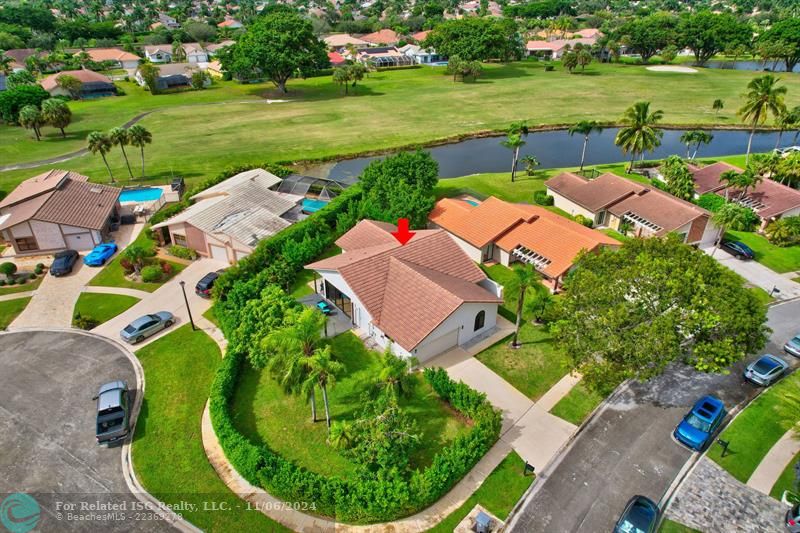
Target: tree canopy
x=708, y=34
x=784, y=38
x=13, y=100
x=476, y=39
x=279, y=44
x=647, y=35
x=628, y=313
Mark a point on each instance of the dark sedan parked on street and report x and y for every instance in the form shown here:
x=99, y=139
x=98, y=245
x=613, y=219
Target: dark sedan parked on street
x=738, y=249
x=112, y=412
x=63, y=263
x=639, y=516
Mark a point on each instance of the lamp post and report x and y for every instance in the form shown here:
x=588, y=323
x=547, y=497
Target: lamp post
x=188, y=309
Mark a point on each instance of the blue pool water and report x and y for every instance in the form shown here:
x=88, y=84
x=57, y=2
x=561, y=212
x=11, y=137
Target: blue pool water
x=145, y=194
x=472, y=202
x=312, y=206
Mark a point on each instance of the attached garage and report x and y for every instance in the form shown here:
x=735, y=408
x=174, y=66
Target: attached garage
x=436, y=346
x=79, y=241
x=218, y=252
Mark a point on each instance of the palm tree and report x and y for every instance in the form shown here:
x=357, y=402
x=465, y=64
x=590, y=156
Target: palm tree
x=730, y=178
x=687, y=138
x=293, y=346
x=31, y=118
x=728, y=215
x=585, y=128
x=99, y=143
x=639, y=133
x=341, y=435
x=5, y=65
x=394, y=377
x=763, y=97
x=322, y=372
x=513, y=142
x=747, y=179
x=701, y=137
x=786, y=120
x=530, y=162
x=139, y=137
x=718, y=105
x=119, y=137
x=525, y=276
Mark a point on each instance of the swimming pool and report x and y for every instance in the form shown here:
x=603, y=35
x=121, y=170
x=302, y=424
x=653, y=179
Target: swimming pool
x=143, y=194
x=472, y=202
x=312, y=206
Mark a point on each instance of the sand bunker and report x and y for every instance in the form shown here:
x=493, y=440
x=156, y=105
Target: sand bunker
x=672, y=68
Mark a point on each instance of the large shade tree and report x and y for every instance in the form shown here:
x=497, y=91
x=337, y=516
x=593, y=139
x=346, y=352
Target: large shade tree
x=784, y=38
x=628, y=313
x=56, y=112
x=764, y=97
x=649, y=34
x=476, y=39
x=707, y=34
x=279, y=44
x=639, y=133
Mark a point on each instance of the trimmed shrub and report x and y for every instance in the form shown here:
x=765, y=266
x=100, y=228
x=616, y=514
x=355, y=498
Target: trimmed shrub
x=151, y=274
x=2, y=282
x=542, y=198
x=32, y=275
x=84, y=322
x=22, y=280
x=588, y=222
x=8, y=269
x=166, y=268
x=39, y=268
x=182, y=251
x=711, y=202
x=126, y=265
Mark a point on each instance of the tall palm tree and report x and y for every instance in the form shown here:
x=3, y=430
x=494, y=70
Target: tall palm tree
x=763, y=97
x=687, y=138
x=787, y=120
x=322, y=372
x=585, y=128
x=728, y=215
x=730, y=178
x=514, y=142
x=701, y=137
x=748, y=179
x=120, y=137
x=99, y=143
x=394, y=377
x=526, y=276
x=139, y=137
x=293, y=345
x=640, y=133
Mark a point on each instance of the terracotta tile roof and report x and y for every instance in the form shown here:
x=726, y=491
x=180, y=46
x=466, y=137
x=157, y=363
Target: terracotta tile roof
x=769, y=198
x=85, y=76
x=110, y=54
x=558, y=44
x=338, y=40
x=384, y=36
x=621, y=196
x=544, y=232
x=420, y=35
x=20, y=55
x=79, y=203
x=39, y=184
x=706, y=179
x=336, y=58
x=408, y=290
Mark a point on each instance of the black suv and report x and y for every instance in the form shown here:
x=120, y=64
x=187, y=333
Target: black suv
x=113, y=410
x=63, y=263
x=204, y=286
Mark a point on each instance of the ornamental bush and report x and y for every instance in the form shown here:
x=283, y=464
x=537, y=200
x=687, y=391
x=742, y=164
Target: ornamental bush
x=151, y=274
x=542, y=198
x=183, y=252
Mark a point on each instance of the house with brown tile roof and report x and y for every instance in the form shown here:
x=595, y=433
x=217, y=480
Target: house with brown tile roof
x=119, y=57
x=58, y=210
x=504, y=232
x=610, y=200
x=769, y=199
x=93, y=84
x=384, y=37
x=422, y=298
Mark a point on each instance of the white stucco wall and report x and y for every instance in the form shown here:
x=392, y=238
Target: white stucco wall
x=473, y=252
x=569, y=206
x=47, y=235
x=360, y=315
x=709, y=234
x=791, y=212
x=21, y=230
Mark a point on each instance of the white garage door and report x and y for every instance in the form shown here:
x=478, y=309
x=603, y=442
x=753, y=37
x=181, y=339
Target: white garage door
x=79, y=241
x=219, y=252
x=437, y=346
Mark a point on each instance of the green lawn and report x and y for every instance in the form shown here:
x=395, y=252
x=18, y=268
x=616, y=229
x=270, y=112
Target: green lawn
x=300, y=286
x=498, y=494
x=168, y=453
x=397, y=108
x=669, y=526
x=758, y=428
x=778, y=259
x=264, y=413
x=210, y=316
x=24, y=287
x=102, y=307
x=762, y=295
x=10, y=309
x=577, y=404
x=787, y=480
x=113, y=275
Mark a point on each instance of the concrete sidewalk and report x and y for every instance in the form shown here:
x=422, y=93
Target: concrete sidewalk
x=136, y=293
x=775, y=462
x=757, y=274
x=168, y=297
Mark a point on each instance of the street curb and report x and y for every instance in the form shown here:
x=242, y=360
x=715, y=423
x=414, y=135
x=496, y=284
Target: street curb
x=152, y=503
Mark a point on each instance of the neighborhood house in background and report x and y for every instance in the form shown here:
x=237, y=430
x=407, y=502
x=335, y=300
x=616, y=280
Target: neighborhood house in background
x=610, y=200
x=227, y=220
x=502, y=232
x=58, y=210
x=93, y=84
x=422, y=298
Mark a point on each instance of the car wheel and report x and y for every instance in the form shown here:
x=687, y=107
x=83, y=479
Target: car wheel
x=168, y=323
x=139, y=339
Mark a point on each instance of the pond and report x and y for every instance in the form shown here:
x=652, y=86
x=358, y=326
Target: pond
x=770, y=66
x=553, y=149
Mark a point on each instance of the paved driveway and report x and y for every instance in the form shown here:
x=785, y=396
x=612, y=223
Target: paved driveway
x=47, y=421
x=627, y=448
x=759, y=275
x=168, y=297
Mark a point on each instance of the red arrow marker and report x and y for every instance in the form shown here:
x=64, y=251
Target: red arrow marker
x=402, y=234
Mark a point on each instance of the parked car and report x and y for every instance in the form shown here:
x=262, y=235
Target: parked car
x=640, y=516
x=793, y=519
x=738, y=249
x=765, y=371
x=793, y=346
x=112, y=412
x=63, y=263
x=699, y=425
x=100, y=254
x=145, y=326
x=206, y=283
x=324, y=307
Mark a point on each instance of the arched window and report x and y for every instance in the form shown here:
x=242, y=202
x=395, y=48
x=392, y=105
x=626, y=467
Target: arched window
x=480, y=319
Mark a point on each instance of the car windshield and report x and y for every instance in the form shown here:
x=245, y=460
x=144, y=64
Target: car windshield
x=698, y=423
x=638, y=520
x=129, y=328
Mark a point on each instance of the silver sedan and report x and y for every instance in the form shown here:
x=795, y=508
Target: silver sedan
x=145, y=326
x=765, y=370
x=793, y=346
